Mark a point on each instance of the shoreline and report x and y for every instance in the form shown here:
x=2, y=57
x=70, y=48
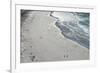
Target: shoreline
x=47, y=43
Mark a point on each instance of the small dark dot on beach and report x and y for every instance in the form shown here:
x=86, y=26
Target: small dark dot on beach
x=32, y=58
x=31, y=46
x=31, y=53
x=41, y=37
x=21, y=53
x=66, y=56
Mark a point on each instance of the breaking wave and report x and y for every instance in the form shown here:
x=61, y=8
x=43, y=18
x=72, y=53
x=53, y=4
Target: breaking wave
x=74, y=26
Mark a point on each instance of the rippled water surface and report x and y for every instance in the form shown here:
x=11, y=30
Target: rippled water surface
x=74, y=25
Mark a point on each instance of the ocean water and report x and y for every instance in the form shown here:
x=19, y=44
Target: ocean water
x=74, y=26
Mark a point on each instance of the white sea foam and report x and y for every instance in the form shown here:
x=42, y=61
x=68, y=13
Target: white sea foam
x=77, y=23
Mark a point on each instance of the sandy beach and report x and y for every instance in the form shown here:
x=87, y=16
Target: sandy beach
x=41, y=41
